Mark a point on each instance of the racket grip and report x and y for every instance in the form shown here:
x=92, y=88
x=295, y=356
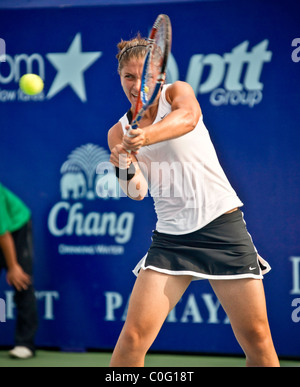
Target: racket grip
x=128, y=134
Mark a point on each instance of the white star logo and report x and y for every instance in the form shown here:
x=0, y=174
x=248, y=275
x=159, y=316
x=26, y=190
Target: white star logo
x=71, y=66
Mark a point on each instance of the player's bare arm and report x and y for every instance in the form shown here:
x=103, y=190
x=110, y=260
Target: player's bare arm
x=136, y=188
x=183, y=119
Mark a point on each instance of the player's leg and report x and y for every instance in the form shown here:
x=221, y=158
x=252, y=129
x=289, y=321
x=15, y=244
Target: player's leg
x=153, y=297
x=244, y=302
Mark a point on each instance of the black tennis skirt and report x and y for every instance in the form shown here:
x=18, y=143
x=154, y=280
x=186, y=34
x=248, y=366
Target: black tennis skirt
x=223, y=249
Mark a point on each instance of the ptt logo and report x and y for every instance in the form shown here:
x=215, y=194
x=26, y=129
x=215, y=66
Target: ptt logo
x=232, y=79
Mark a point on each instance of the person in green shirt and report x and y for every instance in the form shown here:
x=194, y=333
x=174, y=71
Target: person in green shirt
x=16, y=257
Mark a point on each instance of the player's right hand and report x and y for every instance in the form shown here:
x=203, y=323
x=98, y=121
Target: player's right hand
x=119, y=157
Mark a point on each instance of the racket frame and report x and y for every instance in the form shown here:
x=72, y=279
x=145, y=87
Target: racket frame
x=142, y=103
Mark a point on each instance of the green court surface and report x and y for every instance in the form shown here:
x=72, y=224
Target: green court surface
x=50, y=358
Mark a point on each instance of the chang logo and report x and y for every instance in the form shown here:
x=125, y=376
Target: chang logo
x=79, y=178
x=88, y=175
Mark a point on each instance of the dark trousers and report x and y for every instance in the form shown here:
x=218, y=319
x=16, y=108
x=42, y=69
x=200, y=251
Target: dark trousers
x=26, y=320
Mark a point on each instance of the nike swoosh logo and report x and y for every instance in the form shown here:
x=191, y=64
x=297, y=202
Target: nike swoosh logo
x=163, y=116
x=252, y=268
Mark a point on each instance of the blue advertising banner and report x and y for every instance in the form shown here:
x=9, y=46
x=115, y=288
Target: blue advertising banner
x=243, y=62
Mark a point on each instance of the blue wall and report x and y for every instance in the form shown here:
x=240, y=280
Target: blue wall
x=21, y=4
x=246, y=74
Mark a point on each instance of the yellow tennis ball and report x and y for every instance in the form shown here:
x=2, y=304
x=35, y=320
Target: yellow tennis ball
x=31, y=84
x=146, y=89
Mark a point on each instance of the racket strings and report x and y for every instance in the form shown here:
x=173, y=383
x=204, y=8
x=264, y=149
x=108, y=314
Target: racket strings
x=153, y=76
x=157, y=48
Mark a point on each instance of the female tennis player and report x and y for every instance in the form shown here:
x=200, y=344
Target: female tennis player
x=200, y=231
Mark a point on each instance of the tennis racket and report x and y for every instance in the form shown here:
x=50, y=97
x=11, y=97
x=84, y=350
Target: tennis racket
x=153, y=75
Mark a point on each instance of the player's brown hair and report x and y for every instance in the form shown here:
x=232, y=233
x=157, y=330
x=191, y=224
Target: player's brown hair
x=128, y=49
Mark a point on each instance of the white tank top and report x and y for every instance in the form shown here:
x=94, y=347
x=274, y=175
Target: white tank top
x=185, y=178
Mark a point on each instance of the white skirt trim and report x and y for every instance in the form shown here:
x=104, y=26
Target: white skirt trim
x=200, y=276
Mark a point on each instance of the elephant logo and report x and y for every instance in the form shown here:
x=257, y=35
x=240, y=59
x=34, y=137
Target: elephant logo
x=79, y=178
x=73, y=185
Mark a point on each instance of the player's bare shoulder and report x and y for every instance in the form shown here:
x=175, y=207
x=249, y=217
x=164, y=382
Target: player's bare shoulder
x=178, y=88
